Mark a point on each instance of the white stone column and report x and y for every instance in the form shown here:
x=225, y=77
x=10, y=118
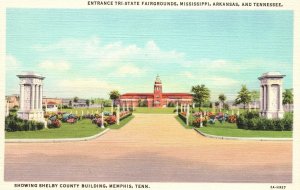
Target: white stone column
x=261, y=98
x=32, y=97
x=41, y=96
x=280, y=98
x=177, y=108
x=265, y=98
x=36, y=105
x=21, y=96
x=268, y=97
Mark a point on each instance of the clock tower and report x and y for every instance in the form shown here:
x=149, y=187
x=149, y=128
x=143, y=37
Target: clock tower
x=157, y=100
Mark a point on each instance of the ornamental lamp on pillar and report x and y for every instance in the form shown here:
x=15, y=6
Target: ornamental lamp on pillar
x=102, y=120
x=187, y=115
x=118, y=114
x=7, y=109
x=201, y=124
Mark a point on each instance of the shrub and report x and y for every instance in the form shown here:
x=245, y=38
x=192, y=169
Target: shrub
x=181, y=116
x=171, y=104
x=288, y=121
x=13, y=123
x=251, y=124
x=241, y=121
x=124, y=115
x=278, y=124
x=261, y=123
x=250, y=115
x=269, y=124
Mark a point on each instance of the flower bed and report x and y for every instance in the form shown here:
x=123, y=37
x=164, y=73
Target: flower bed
x=54, y=120
x=208, y=118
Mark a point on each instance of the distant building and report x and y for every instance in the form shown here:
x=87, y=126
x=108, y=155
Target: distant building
x=70, y=102
x=51, y=101
x=13, y=100
x=155, y=99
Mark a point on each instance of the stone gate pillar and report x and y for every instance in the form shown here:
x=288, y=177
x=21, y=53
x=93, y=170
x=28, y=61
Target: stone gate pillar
x=31, y=95
x=271, y=95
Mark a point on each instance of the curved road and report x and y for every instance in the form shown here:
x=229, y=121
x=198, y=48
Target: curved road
x=151, y=148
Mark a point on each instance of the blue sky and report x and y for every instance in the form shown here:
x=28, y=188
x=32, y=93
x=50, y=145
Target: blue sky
x=87, y=53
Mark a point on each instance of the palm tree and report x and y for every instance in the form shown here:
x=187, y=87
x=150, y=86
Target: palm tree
x=114, y=95
x=288, y=97
x=222, y=99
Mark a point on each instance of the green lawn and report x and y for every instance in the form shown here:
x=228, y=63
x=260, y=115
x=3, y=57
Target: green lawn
x=85, y=110
x=83, y=128
x=154, y=110
x=231, y=130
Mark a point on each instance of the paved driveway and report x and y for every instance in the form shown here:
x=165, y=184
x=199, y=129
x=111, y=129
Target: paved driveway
x=151, y=148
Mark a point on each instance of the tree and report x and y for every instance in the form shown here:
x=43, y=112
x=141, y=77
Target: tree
x=200, y=94
x=70, y=103
x=87, y=102
x=222, y=99
x=92, y=101
x=114, y=95
x=254, y=96
x=244, y=96
x=287, y=96
x=76, y=99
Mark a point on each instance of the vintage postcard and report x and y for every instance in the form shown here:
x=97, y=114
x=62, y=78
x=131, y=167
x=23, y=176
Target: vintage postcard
x=149, y=94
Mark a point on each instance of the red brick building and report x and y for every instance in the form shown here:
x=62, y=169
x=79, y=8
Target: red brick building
x=155, y=99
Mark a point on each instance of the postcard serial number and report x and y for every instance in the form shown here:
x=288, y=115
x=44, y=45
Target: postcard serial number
x=277, y=186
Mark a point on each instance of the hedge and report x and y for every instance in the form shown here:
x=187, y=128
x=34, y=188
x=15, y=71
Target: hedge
x=252, y=121
x=125, y=116
x=182, y=117
x=13, y=123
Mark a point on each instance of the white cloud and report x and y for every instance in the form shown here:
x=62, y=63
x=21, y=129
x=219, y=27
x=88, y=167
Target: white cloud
x=128, y=70
x=60, y=65
x=99, y=56
x=222, y=81
x=11, y=63
x=187, y=74
x=85, y=87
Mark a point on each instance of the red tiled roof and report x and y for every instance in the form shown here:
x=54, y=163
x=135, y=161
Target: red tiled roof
x=148, y=95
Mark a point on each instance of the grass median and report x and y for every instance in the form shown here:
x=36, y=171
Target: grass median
x=82, y=128
x=230, y=130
